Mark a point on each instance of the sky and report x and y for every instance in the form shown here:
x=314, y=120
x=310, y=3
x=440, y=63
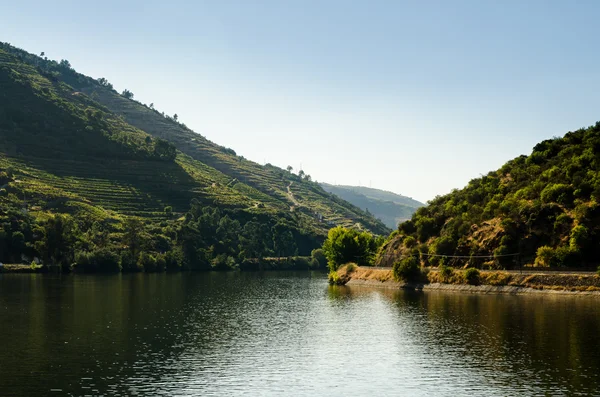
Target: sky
x=414, y=97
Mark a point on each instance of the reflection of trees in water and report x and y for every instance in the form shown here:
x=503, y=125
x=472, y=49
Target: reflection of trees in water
x=553, y=338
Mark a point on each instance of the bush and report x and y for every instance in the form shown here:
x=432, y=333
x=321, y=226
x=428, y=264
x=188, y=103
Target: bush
x=598, y=271
x=350, y=267
x=161, y=263
x=446, y=273
x=410, y=242
x=129, y=262
x=173, y=259
x=407, y=269
x=561, y=256
x=319, y=256
x=334, y=278
x=472, y=276
x=223, y=262
x=102, y=260
x=147, y=262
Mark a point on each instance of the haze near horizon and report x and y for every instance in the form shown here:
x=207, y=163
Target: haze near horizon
x=411, y=98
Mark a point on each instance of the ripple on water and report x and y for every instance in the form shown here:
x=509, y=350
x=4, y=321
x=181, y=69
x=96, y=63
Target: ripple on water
x=280, y=334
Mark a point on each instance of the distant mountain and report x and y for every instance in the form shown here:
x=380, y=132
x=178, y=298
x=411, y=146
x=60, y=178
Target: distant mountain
x=390, y=207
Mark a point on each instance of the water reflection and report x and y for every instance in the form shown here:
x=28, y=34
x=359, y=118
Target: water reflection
x=286, y=334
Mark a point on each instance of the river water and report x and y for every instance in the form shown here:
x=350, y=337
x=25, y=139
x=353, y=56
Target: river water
x=287, y=334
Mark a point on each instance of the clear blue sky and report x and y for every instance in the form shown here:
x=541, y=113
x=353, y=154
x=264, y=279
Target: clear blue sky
x=416, y=97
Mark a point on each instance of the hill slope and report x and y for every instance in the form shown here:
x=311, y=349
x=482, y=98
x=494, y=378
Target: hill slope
x=126, y=192
x=266, y=185
x=541, y=209
x=390, y=207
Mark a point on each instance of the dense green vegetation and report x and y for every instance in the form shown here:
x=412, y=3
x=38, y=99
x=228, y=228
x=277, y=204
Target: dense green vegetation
x=82, y=187
x=390, y=207
x=344, y=246
x=542, y=209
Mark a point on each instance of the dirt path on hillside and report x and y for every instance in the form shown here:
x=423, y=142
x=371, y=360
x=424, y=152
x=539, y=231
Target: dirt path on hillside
x=292, y=198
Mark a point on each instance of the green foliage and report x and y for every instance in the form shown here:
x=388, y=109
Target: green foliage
x=130, y=263
x=472, y=276
x=348, y=245
x=101, y=260
x=318, y=255
x=557, y=257
x=446, y=273
x=542, y=200
x=579, y=238
x=557, y=193
x=407, y=269
x=350, y=267
x=334, y=278
x=148, y=262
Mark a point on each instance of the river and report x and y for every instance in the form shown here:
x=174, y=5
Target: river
x=291, y=334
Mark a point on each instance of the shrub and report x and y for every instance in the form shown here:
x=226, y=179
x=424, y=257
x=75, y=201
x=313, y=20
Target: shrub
x=129, y=262
x=173, y=260
x=334, y=278
x=319, y=256
x=407, y=269
x=472, y=276
x=558, y=193
x=598, y=271
x=561, y=256
x=161, y=263
x=147, y=262
x=498, y=278
x=544, y=257
x=410, y=242
x=446, y=273
x=223, y=262
x=102, y=260
x=350, y=267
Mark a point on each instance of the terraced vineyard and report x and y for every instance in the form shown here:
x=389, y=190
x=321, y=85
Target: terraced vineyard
x=75, y=145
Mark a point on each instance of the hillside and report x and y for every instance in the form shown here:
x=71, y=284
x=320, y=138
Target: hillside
x=539, y=209
x=266, y=185
x=390, y=207
x=78, y=178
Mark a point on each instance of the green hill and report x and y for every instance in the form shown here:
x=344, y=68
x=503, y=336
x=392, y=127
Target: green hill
x=390, y=207
x=105, y=160
x=539, y=209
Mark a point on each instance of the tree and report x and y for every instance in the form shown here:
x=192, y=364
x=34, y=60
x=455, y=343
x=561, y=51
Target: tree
x=151, y=106
x=284, y=243
x=65, y=64
x=57, y=244
x=127, y=94
x=175, y=117
x=131, y=236
x=42, y=54
x=290, y=169
x=307, y=178
x=348, y=245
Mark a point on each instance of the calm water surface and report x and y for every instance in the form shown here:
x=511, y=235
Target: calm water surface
x=287, y=334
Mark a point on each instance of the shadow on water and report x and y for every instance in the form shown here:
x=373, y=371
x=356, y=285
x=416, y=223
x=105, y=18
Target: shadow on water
x=286, y=333
x=531, y=343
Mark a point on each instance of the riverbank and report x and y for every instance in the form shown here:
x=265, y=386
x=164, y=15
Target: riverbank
x=11, y=268
x=249, y=265
x=488, y=282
